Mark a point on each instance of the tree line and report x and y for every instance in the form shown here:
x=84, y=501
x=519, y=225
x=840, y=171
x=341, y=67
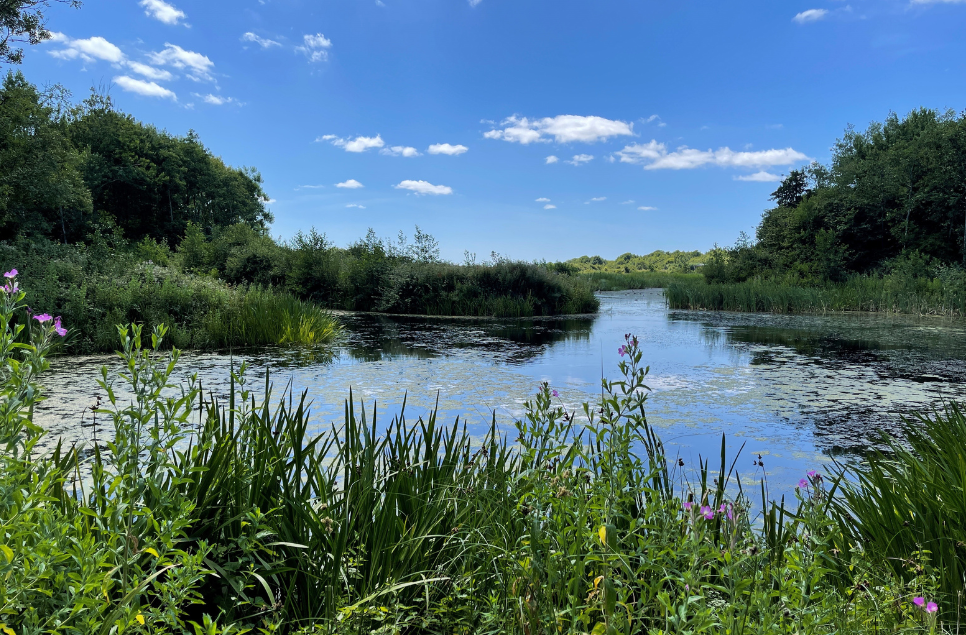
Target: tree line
x=892, y=199
x=68, y=170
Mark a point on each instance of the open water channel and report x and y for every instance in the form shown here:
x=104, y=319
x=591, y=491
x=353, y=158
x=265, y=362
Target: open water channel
x=796, y=389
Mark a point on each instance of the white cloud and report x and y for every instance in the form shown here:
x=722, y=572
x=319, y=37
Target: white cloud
x=215, y=100
x=473, y=3
x=141, y=87
x=543, y=199
x=197, y=66
x=551, y=159
x=359, y=144
x=646, y=208
x=563, y=129
x=549, y=207
x=657, y=118
x=938, y=1
x=630, y=202
x=445, y=148
x=655, y=156
x=597, y=199
x=380, y=3
x=88, y=50
x=760, y=177
x=812, y=15
x=310, y=187
x=424, y=187
x=580, y=159
x=265, y=43
x=351, y=184
x=150, y=72
x=356, y=205
x=315, y=47
x=162, y=11
x=400, y=151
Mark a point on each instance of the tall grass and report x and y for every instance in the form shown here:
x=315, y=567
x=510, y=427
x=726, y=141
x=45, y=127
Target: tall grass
x=609, y=281
x=888, y=294
x=906, y=506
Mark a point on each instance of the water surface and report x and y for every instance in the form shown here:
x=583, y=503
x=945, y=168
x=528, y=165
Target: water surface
x=796, y=389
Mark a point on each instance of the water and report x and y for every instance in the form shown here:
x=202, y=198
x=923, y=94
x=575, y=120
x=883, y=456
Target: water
x=798, y=390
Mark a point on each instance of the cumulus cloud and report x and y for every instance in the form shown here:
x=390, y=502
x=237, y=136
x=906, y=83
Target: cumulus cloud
x=543, y=199
x=197, y=66
x=310, y=187
x=356, y=205
x=400, y=151
x=630, y=202
x=88, y=50
x=145, y=88
x=812, y=15
x=548, y=206
x=424, y=187
x=315, y=47
x=562, y=129
x=157, y=74
x=655, y=156
x=265, y=43
x=473, y=3
x=646, y=208
x=445, y=148
x=162, y=11
x=551, y=159
x=598, y=199
x=359, y=144
x=760, y=177
x=657, y=118
x=351, y=184
x=580, y=159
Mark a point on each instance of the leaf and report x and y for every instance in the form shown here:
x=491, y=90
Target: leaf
x=8, y=552
x=152, y=552
x=6, y=630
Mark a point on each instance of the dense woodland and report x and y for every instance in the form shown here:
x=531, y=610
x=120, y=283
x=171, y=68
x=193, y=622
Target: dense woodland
x=892, y=200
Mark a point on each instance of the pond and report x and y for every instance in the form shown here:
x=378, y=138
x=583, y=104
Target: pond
x=796, y=389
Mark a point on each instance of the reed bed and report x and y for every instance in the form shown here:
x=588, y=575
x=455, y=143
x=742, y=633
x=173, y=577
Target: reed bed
x=887, y=294
x=607, y=281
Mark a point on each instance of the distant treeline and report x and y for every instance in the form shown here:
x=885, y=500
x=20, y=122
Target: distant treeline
x=656, y=262
x=892, y=201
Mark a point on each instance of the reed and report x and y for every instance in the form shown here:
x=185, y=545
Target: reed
x=608, y=281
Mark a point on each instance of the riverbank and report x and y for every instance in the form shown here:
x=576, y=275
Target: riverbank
x=611, y=281
x=257, y=524
x=875, y=294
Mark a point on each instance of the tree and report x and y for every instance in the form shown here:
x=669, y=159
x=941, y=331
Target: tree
x=23, y=21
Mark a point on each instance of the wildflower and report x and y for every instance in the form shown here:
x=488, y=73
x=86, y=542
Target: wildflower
x=814, y=476
x=688, y=505
x=556, y=394
x=43, y=317
x=932, y=607
x=10, y=274
x=58, y=327
x=920, y=602
x=622, y=350
x=707, y=512
x=803, y=484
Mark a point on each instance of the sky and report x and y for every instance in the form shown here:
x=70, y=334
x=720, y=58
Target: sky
x=536, y=129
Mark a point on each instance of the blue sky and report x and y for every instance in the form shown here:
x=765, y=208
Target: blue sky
x=538, y=129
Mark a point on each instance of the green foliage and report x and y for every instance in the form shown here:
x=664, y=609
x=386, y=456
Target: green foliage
x=654, y=262
x=94, y=288
x=65, y=169
x=608, y=281
x=23, y=21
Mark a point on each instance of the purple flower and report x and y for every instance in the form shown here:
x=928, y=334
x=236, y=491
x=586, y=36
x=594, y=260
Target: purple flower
x=707, y=512
x=920, y=602
x=803, y=484
x=59, y=328
x=556, y=394
x=10, y=274
x=43, y=317
x=688, y=505
x=932, y=607
x=814, y=476
x=622, y=350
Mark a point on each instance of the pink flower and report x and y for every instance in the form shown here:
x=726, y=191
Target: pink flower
x=43, y=317
x=803, y=484
x=707, y=512
x=688, y=505
x=814, y=476
x=622, y=350
x=556, y=394
x=59, y=328
x=932, y=607
x=920, y=602
x=10, y=274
